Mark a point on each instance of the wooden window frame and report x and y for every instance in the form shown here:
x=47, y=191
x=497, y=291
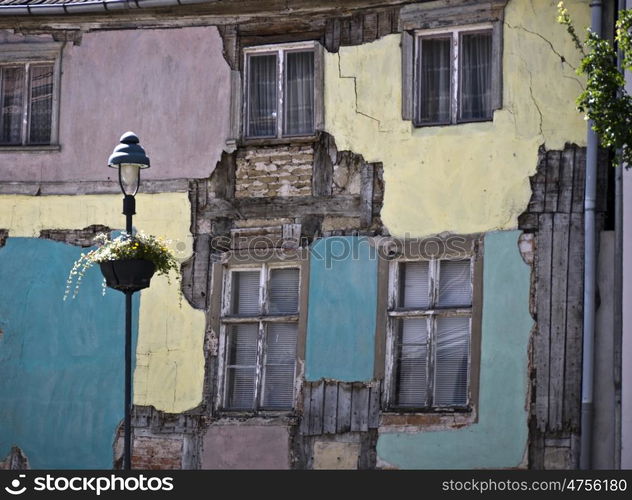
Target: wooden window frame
x=444, y=16
x=468, y=246
x=27, y=55
x=455, y=34
x=221, y=319
x=280, y=50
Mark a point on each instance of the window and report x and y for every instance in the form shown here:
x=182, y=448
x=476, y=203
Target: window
x=258, y=344
x=432, y=312
x=283, y=90
x=29, y=81
x=453, y=77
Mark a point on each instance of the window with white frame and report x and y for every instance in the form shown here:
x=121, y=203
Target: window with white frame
x=454, y=73
x=429, y=334
x=282, y=90
x=28, y=95
x=259, y=322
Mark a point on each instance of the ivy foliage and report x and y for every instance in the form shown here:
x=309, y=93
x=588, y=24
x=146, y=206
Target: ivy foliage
x=605, y=100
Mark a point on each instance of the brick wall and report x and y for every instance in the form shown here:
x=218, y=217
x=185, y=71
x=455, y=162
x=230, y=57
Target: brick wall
x=274, y=171
x=157, y=453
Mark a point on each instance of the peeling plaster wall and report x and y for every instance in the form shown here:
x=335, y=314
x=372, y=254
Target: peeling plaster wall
x=61, y=363
x=170, y=86
x=488, y=164
x=499, y=438
x=169, y=359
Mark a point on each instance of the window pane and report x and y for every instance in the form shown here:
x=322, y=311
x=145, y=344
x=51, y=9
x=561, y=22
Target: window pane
x=411, y=379
x=455, y=283
x=241, y=365
x=434, y=80
x=12, y=105
x=283, y=291
x=299, y=93
x=476, y=76
x=262, y=95
x=451, y=361
x=245, y=290
x=414, y=289
x=278, y=390
x=41, y=104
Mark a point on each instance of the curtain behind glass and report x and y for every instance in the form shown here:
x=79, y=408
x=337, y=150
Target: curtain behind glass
x=476, y=76
x=12, y=102
x=299, y=93
x=41, y=104
x=434, y=80
x=262, y=95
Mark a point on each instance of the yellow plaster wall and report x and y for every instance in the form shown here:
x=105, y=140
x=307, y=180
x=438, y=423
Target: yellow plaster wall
x=470, y=177
x=169, y=358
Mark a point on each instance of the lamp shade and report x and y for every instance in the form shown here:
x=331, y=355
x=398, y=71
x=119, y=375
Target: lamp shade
x=128, y=151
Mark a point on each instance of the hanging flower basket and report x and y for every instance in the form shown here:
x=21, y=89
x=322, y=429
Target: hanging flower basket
x=127, y=262
x=128, y=275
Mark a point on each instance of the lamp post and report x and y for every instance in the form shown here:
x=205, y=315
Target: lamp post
x=129, y=157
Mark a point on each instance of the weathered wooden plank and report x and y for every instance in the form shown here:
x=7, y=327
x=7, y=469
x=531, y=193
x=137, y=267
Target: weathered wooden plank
x=356, y=29
x=374, y=405
x=366, y=194
x=565, y=197
x=579, y=180
x=323, y=171
x=316, y=408
x=360, y=408
x=330, y=413
x=329, y=35
x=542, y=337
x=553, y=159
x=384, y=22
x=407, y=75
x=574, y=323
x=370, y=27
x=307, y=401
x=345, y=32
x=340, y=205
x=528, y=221
x=538, y=187
x=536, y=450
x=343, y=423
x=559, y=280
x=420, y=16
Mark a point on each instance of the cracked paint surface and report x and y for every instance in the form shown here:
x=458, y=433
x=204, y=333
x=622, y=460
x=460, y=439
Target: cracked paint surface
x=487, y=163
x=169, y=370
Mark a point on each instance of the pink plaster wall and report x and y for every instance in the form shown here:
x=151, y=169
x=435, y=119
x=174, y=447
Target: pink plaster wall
x=169, y=86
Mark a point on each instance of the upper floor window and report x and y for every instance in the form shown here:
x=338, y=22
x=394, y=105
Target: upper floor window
x=453, y=77
x=259, y=332
x=29, y=75
x=283, y=90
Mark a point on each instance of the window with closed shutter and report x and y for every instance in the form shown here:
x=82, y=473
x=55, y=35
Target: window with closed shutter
x=260, y=330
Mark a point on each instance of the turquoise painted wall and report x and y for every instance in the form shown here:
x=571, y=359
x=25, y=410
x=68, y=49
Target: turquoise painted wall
x=499, y=439
x=61, y=363
x=342, y=309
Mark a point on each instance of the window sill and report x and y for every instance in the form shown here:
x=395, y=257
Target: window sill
x=279, y=141
x=432, y=419
x=451, y=124
x=29, y=149
x=255, y=417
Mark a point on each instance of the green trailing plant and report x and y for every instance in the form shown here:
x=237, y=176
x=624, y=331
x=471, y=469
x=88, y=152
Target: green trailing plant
x=605, y=100
x=123, y=247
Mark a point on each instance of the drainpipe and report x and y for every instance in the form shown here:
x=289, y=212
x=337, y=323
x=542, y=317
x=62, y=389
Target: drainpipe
x=618, y=289
x=43, y=9
x=590, y=272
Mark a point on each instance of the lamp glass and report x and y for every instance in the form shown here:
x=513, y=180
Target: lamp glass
x=129, y=177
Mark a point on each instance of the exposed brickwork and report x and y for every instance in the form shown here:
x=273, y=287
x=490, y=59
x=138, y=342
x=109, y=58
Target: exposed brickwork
x=157, y=453
x=79, y=237
x=274, y=171
x=15, y=460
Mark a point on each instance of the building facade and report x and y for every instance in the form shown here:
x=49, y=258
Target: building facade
x=378, y=208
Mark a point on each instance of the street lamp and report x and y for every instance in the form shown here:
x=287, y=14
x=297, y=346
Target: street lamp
x=129, y=157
